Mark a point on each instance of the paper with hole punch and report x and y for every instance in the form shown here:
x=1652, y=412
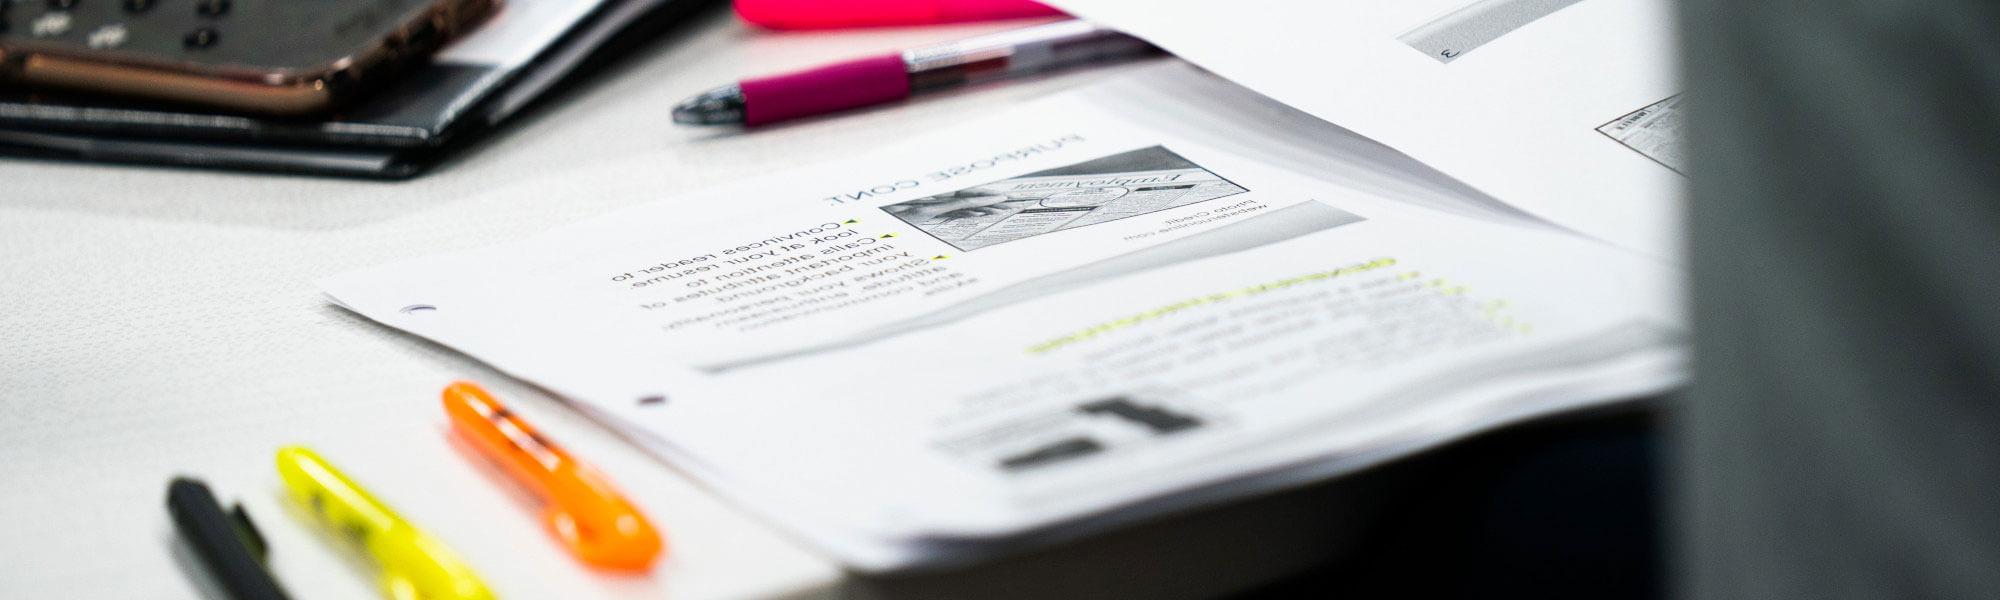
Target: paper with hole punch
x=1548, y=105
x=1098, y=307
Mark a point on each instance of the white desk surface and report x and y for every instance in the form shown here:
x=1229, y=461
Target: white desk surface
x=158, y=321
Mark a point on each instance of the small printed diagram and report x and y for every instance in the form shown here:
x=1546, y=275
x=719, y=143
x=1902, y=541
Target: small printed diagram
x=1042, y=440
x=1107, y=189
x=1448, y=37
x=1154, y=420
x=1655, y=132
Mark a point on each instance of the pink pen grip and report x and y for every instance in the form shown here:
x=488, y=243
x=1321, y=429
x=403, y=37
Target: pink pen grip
x=851, y=84
x=827, y=14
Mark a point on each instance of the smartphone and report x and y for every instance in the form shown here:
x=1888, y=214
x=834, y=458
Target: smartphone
x=266, y=57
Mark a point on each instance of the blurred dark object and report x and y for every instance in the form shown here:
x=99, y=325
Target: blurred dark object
x=1554, y=509
x=1562, y=509
x=395, y=133
x=1842, y=437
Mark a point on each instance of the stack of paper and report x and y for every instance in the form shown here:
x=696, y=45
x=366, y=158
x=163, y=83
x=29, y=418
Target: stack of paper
x=1568, y=109
x=1149, y=294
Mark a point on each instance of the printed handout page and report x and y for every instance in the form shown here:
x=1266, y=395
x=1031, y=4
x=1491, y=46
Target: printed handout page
x=1065, y=404
x=1070, y=314
x=813, y=258
x=1377, y=333
x=1564, y=108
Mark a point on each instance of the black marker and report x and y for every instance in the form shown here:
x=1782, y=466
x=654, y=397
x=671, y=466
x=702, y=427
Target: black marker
x=227, y=542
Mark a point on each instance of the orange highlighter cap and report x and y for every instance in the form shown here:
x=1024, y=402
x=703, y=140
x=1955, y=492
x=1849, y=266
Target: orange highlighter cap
x=580, y=508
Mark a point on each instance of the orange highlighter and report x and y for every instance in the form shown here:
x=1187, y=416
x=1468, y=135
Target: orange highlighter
x=580, y=508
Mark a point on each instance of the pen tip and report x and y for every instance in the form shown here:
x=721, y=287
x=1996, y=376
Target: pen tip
x=719, y=106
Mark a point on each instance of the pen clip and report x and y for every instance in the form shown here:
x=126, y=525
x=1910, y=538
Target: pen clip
x=246, y=532
x=228, y=543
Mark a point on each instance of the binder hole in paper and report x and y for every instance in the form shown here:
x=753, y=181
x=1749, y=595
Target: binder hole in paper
x=652, y=401
x=418, y=308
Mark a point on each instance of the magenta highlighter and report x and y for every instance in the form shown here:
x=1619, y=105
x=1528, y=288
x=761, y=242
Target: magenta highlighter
x=831, y=14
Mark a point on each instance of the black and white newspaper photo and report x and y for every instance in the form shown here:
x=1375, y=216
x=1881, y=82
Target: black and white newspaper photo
x=1115, y=187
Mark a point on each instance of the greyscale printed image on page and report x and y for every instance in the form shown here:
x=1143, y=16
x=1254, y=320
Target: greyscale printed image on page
x=1107, y=189
x=1653, y=131
x=1448, y=37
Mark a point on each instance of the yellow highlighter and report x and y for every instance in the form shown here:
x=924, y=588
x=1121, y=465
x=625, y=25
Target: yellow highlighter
x=413, y=565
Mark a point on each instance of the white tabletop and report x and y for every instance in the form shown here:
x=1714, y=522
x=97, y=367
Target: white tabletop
x=158, y=321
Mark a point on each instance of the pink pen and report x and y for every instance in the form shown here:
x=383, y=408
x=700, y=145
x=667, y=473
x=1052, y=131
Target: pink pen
x=827, y=14
x=892, y=77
